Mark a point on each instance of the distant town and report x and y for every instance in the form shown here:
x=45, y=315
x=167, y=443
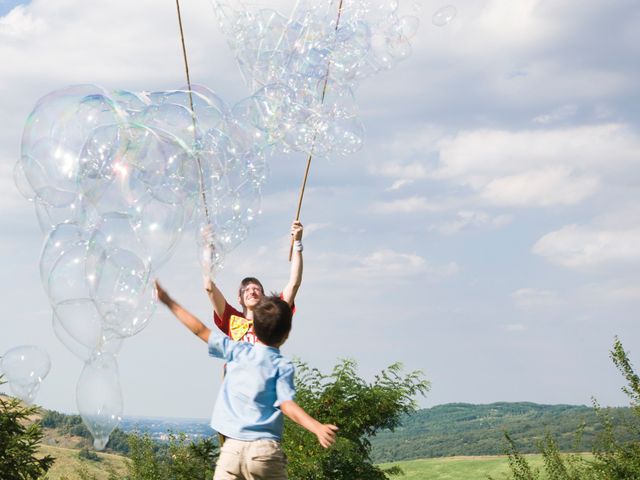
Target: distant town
x=161, y=428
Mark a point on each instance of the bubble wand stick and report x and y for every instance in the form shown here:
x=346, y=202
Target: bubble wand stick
x=313, y=142
x=203, y=194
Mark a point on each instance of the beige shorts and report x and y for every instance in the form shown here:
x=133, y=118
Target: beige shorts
x=256, y=460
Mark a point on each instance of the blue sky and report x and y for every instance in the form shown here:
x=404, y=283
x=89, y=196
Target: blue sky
x=486, y=233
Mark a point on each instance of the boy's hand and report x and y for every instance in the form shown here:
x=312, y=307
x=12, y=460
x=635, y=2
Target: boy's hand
x=296, y=230
x=326, y=435
x=161, y=294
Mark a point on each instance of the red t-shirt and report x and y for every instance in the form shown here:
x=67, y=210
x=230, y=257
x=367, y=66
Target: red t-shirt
x=225, y=323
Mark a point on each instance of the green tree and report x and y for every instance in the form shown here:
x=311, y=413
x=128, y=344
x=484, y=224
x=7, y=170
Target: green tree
x=358, y=408
x=613, y=459
x=20, y=438
x=180, y=459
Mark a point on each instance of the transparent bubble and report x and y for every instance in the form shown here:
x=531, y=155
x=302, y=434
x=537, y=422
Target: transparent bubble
x=408, y=26
x=444, y=15
x=160, y=227
x=162, y=164
x=90, y=343
x=99, y=397
x=115, y=230
x=69, y=279
x=81, y=320
x=53, y=139
x=78, y=212
x=63, y=237
x=123, y=292
x=21, y=182
x=25, y=367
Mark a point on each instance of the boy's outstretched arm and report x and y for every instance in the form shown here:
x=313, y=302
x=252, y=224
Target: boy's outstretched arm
x=326, y=433
x=295, y=275
x=187, y=318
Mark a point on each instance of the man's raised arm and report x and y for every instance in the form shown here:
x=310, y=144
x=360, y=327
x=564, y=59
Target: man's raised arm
x=208, y=254
x=295, y=276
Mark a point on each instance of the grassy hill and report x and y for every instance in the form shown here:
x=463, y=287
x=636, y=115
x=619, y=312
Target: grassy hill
x=460, y=429
x=68, y=464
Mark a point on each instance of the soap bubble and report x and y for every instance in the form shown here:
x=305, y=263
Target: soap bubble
x=99, y=397
x=25, y=368
x=123, y=292
x=59, y=239
x=444, y=15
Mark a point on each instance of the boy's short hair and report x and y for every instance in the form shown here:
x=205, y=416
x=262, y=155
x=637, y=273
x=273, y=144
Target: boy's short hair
x=272, y=320
x=246, y=281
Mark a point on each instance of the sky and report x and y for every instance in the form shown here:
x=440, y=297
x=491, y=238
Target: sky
x=486, y=234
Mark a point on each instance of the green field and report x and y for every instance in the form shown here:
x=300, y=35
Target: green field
x=67, y=463
x=458, y=468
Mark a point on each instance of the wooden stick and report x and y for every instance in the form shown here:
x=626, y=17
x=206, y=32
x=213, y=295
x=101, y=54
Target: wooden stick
x=313, y=142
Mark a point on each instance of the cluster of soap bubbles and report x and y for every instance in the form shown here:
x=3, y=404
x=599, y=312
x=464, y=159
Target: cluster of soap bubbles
x=306, y=67
x=24, y=368
x=115, y=178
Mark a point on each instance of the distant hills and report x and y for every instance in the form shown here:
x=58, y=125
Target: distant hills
x=454, y=429
x=464, y=429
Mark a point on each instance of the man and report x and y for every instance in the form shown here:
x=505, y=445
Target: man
x=239, y=324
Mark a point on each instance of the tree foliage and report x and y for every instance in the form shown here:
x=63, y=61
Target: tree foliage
x=20, y=438
x=613, y=459
x=358, y=408
x=180, y=459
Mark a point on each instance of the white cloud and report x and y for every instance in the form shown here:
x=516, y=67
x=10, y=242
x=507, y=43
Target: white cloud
x=528, y=298
x=466, y=220
x=398, y=184
x=590, y=247
x=19, y=23
x=414, y=170
x=484, y=154
x=389, y=264
x=549, y=187
x=405, y=205
x=561, y=113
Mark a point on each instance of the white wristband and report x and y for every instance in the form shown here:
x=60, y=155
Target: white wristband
x=297, y=246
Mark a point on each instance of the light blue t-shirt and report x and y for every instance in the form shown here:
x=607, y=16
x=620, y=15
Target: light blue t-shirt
x=257, y=381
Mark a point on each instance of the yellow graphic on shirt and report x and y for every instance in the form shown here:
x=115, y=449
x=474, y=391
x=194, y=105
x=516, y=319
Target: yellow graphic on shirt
x=239, y=326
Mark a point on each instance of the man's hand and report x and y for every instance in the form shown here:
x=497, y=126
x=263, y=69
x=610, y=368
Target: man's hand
x=326, y=435
x=296, y=230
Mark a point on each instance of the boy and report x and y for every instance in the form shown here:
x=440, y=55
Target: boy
x=257, y=389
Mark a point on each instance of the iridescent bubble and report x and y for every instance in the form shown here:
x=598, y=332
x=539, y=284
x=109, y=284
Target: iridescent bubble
x=408, y=26
x=25, y=368
x=444, y=15
x=160, y=227
x=99, y=397
x=63, y=237
x=123, y=292
x=68, y=278
x=21, y=181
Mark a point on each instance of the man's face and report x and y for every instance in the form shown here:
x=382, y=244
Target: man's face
x=250, y=295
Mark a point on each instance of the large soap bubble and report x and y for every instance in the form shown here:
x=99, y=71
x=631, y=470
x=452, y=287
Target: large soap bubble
x=25, y=368
x=99, y=397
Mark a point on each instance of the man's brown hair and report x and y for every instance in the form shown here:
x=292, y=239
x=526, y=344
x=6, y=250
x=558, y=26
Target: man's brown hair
x=272, y=320
x=246, y=281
